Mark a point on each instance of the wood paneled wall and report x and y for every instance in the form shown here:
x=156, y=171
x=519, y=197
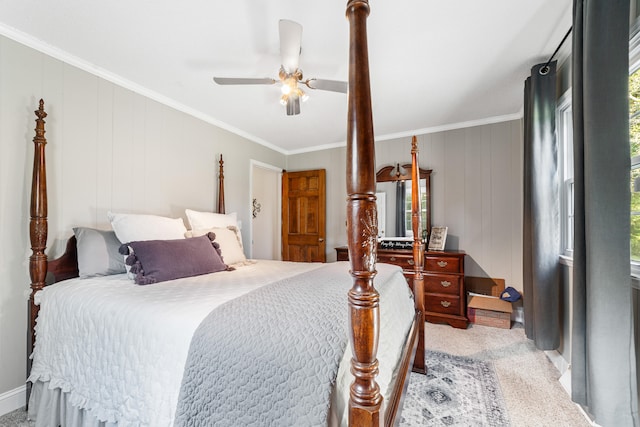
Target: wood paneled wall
x=476, y=189
x=108, y=149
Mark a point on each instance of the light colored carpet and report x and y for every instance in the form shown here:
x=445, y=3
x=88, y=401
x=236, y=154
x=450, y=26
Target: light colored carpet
x=528, y=380
x=17, y=418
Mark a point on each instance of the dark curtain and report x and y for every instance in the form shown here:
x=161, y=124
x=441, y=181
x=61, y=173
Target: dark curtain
x=603, y=375
x=541, y=221
x=400, y=195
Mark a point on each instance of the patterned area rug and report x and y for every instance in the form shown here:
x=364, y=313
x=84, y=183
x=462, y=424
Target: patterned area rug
x=457, y=391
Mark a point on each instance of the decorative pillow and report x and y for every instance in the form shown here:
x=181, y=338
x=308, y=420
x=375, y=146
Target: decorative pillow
x=203, y=220
x=98, y=252
x=154, y=261
x=229, y=241
x=134, y=227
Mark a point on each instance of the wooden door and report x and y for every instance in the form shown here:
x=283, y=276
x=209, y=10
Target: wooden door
x=303, y=216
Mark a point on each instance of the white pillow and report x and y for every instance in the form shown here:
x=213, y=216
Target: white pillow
x=229, y=241
x=136, y=227
x=205, y=220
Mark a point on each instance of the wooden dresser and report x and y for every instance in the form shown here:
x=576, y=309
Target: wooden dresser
x=445, y=298
x=444, y=292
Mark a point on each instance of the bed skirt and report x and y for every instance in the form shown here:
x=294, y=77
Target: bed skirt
x=54, y=409
x=51, y=408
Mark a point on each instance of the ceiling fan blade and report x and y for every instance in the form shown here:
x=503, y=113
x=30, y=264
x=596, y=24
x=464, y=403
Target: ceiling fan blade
x=243, y=81
x=293, y=106
x=290, y=42
x=330, y=85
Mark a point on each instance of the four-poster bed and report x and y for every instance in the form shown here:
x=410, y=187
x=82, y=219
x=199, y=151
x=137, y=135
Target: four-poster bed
x=364, y=312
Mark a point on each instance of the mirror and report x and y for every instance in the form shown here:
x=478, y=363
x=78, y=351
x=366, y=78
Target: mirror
x=393, y=191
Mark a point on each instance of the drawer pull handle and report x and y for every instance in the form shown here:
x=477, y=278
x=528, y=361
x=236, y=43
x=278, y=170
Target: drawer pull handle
x=442, y=264
x=445, y=283
x=410, y=262
x=445, y=304
x=392, y=258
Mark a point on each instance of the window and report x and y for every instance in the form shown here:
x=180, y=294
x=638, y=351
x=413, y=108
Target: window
x=565, y=139
x=565, y=143
x=407, y=206
x=564, y=133
x=634, y=145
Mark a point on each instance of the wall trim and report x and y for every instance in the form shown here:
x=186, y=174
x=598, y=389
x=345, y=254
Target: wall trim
x=558, y=361
x=54, y=52
x=563, y=367
x=13, y=399
x=423, y=131
x=566, y=260
x=453, y=126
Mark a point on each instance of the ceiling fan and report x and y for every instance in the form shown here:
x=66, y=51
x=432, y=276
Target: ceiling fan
x=289, y=75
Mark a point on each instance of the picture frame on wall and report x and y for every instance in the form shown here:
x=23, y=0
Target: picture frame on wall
x=437, y=239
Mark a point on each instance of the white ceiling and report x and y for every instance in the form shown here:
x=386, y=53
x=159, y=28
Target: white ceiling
x=434, y=64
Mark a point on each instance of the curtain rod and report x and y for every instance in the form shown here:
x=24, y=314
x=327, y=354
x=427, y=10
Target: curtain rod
x=544, y=70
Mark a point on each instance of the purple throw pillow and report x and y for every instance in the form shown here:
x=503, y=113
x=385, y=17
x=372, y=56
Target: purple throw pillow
x=154, y=261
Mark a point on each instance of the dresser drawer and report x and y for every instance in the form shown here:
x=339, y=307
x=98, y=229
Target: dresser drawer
x=443, y=284
x=444, y=304
x=442, y=264
x=406, y=262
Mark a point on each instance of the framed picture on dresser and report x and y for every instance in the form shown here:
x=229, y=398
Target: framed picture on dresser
x=438, y=238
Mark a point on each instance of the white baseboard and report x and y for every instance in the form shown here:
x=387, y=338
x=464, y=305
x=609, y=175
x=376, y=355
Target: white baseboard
x=558, y=361
x=565, y=381
x=13, y=399
x=564, y=368
x=518, y=315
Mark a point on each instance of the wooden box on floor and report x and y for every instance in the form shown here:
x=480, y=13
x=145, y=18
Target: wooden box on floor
x=489, y=311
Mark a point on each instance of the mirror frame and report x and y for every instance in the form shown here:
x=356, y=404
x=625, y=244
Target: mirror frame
x=394, y=174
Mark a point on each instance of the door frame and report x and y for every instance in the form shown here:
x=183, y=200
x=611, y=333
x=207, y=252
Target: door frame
x=278, y=233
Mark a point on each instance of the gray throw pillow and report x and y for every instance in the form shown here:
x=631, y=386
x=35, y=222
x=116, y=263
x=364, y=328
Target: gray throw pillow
x=98, y=252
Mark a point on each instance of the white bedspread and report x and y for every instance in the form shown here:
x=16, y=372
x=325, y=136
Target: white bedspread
x=118, y=349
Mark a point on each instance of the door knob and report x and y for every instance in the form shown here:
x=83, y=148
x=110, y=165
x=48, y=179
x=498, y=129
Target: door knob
x=320, y=240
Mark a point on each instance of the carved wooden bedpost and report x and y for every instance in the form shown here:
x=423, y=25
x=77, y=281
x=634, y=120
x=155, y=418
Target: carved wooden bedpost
x=362, y=227
x=418, y=254
x=220, y=207
x=38, y=222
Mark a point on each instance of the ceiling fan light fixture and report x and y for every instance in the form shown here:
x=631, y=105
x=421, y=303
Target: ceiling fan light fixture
x=300, y=94
x=290, y=75
x=289, y=85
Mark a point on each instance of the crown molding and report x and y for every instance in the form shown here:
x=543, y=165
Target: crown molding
x=67, y=58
